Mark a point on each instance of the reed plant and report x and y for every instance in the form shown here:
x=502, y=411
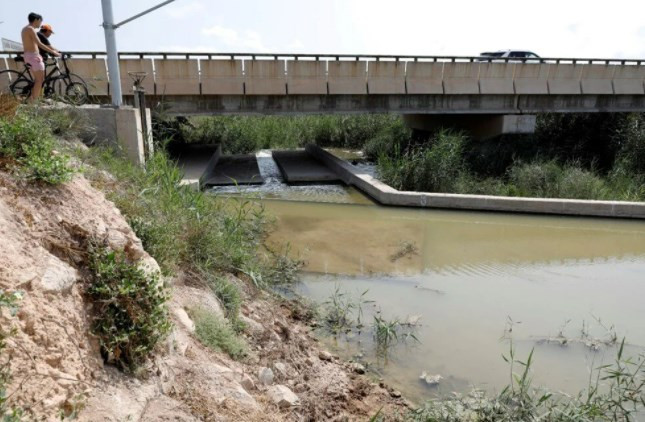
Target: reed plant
x=616, y=392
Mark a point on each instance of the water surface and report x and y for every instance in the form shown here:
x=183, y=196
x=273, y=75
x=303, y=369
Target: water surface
x=468, y=275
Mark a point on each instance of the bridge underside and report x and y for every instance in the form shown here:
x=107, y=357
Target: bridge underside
x=400, y=104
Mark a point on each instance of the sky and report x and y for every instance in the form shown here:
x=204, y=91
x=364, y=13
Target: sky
x=562, y=28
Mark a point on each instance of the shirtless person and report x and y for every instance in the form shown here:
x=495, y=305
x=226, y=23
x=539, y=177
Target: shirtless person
x=31, y=44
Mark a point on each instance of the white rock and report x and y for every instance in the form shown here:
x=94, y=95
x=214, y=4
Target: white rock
x=325, y=355
x=149, y=265
x=265, y=375
x=283, y=396
x=247, y=382
x=430, y=379
x=59, y=276
x=184, y=319
x=253, y=327
x=281, y=370
x=358, y=368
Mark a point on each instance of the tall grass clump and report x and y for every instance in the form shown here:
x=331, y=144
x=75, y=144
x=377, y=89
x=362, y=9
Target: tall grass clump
x=435, y=166
x=8, y=413
x=27, y=142
x=217, y=333
x=179, y=226
x=616, y=392
x=129, y=307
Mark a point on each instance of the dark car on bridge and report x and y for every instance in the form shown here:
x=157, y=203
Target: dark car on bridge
x=521, y=55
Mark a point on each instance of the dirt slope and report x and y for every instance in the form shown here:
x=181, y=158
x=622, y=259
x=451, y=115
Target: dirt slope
x=56, y=365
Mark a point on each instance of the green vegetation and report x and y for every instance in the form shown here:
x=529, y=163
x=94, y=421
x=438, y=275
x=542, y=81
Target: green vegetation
x=570, y=156
x=581, y=156
x=389, y=332
x=229, y=295
x=244, y=134
x=181, y=227
x=218, y=333
x=130, y=315
x=616, y=392
x=7, y=413
x=28, y=145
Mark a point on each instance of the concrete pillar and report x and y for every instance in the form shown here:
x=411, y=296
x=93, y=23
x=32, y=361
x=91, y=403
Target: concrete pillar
x=481, y=126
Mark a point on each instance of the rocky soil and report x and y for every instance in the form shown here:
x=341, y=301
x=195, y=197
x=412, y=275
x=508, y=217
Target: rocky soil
x=58, y=370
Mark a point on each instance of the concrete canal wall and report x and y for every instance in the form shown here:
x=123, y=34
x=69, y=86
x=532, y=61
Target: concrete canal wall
x=387, y=195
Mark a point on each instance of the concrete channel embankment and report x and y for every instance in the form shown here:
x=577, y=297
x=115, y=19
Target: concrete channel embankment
x=387, y=195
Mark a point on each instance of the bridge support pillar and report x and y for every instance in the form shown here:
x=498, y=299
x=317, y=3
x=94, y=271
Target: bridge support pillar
x=480, y=126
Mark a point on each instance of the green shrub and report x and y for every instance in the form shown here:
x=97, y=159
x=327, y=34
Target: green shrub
x=538, y=179
x=217, y=334
x=577, y=183
x=27, y=139
x=630, y=140
x=129, y=306
x=388, y=141
x=432, y=167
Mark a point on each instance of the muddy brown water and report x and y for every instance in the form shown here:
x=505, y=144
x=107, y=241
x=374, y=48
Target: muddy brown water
x=468, y=275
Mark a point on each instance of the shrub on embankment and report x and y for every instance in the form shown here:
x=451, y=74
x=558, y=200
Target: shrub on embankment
x=200, y=235
x=130, y=313
x=28, y=146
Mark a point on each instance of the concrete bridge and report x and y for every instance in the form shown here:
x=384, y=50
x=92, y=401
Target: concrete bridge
x=498, y=90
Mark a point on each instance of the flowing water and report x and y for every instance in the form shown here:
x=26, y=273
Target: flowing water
x=475, y=279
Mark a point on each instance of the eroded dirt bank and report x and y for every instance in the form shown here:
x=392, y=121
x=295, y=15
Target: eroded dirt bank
x=56, y=364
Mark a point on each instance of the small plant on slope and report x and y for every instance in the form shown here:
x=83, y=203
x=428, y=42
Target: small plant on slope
x=130, y=314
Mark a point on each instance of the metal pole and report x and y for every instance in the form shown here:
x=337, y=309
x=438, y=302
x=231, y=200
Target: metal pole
x=145, y=12
x=112, y=55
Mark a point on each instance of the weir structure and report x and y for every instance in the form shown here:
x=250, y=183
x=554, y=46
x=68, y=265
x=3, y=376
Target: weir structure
x=487, y=96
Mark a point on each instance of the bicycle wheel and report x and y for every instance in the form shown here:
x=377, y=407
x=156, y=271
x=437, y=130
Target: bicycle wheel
x=59, y=85
x=16, y=84
x=76, y=94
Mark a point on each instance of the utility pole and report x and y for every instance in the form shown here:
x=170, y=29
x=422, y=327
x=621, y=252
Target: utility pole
x=110, y=45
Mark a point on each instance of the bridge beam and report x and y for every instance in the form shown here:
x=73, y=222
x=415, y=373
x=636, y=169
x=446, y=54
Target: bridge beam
x=399, y=104
x=480, y=126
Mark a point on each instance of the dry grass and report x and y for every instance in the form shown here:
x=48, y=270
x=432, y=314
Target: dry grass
x=8, y=106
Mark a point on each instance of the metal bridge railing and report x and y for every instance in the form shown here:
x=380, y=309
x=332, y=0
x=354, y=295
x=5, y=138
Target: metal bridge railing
x=357, y=57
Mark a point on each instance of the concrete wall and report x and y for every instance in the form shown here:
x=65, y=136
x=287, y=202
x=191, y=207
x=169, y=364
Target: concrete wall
x=306, y=77
x=93, y=72
x=386, y=195
x=120, y=127
x=222, y=77
x=265, y=77
x=177, y=77
x=424, y=78
x=136, y=65
x=386, y=78
x=347, y=77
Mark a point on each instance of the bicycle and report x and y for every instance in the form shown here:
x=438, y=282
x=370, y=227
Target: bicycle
x=56, y=81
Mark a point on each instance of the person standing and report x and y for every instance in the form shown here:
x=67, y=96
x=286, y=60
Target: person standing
x=45, y=32
x=31, y=43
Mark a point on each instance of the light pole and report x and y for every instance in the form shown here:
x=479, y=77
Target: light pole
x=110, y=44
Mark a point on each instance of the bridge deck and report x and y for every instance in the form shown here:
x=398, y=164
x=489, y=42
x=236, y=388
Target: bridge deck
x=210, y=78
